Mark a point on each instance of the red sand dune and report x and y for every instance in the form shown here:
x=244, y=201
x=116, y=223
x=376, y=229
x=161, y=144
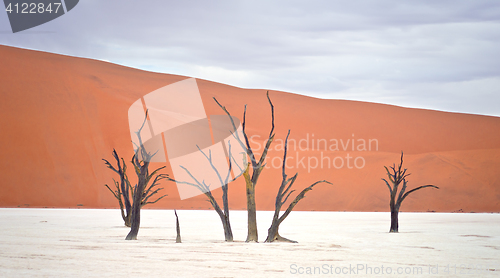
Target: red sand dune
x=61, y=115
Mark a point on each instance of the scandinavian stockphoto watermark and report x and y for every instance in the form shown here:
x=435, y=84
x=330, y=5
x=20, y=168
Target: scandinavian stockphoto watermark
x=312, y=153
x=26, y=14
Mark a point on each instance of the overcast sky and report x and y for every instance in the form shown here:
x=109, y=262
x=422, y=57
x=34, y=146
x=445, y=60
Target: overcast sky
x=430, y=54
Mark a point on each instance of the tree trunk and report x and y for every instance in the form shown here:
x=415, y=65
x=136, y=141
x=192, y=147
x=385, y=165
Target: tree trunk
x=127, y=221
x=228, y=234
x=125, y=217
x=128, y=209
x=394, y=220
x=177, y=228
x=135, y=220
x=136, y=207
x=277, y=237
x=252, y=235
x=272, y=232
x=226, y=225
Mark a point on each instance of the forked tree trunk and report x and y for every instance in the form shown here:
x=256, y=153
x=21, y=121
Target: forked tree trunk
x=126, y=217
x=226, y=225
x=273, y=232
x=228, y=233
x=136, y=207
x=127, y=221
x=128, y=210
x=135, y=222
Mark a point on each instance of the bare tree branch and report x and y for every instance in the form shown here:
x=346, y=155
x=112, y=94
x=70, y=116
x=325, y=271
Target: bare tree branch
x=390, y=189
x=300, y=197
x=418, y=188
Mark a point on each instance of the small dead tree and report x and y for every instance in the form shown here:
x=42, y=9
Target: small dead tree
x=177, y=228
x=122, y=191
x=203, y=187
x=257, y=165
x=283, y=193
x=397, y=176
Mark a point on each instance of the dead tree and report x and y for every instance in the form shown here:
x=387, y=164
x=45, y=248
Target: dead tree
x=397, y=176
x=257, y=165
x=143, y=190
x=283, y=193
x=203, y=187
x=177, y=228
x=122, y=192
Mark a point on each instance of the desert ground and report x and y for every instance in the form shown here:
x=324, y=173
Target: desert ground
x=90, y=243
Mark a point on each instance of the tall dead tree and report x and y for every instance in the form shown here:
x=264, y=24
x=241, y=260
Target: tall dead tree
x=257, y=165
x=203, y=187
x=122, y=191
x=130, y=205
x=283, y=193
x=143, y=190
x=397, y=176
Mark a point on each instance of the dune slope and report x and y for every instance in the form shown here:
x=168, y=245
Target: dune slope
x=59, y=116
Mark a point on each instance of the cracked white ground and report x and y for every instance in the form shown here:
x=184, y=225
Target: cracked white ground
x=90, y=243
